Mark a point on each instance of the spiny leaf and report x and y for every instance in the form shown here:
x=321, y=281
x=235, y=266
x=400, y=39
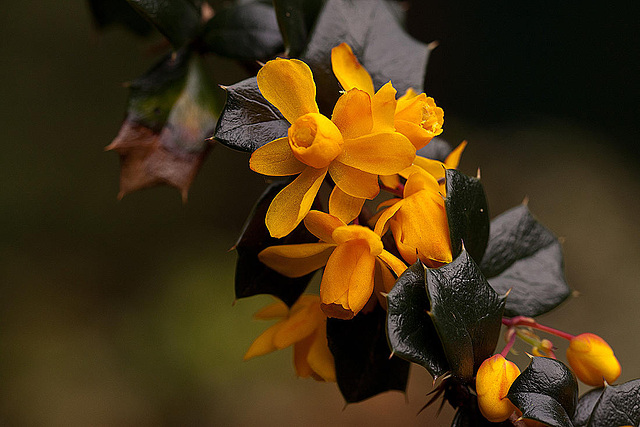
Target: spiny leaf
x=361, y=353
x=547, y=391
x=467, y=213
x=586, y=403
x=524, y=256
x=248, y=121
x=252, y=276
x=171, y=111
x=247, y=31
x=410, y=330
x=618, y=405
x=377, y=39
x=177, y=20
x=296, y=19
x=466, y=312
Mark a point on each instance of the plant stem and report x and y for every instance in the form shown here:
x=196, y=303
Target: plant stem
x=528, y=321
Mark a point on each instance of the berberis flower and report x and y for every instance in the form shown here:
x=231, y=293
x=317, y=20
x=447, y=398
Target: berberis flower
x=416, y=115
x=419, y=221
x=358, y=144
x=350, y=254
x=592, y=360
x=493, y=380
x=305, y=327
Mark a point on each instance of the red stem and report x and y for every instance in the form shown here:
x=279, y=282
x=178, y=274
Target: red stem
x=528, y=321
x=507, y=348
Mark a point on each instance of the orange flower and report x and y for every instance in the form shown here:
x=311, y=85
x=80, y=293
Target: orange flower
x=416, y=116
x=593, y=360
x=419, y=221
x=305, y=327
x=354, y=147
x=349, y=254
x=493, y=380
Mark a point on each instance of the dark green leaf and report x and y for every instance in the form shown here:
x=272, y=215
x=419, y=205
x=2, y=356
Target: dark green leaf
x=547, y=391
x=586, y=403
x=467, y=314
x=177, y=20
x=411, y=332
x=619, y=405
x=524, y=256
x=467, y=213
x=108, y=12
x=361, y=353
x=296, y=19
x=247, y=32
x=376, y=38
x=248, y=121
x=171, y=111
x=252, y=276
x=437, y=149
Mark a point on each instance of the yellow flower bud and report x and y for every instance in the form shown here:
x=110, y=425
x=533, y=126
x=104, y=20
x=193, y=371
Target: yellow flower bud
x=315, y=140
x=593, y=360
x=495, y=376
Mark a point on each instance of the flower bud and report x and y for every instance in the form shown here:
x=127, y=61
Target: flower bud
x=593, y=360
x=315, y=140
x=495, y=376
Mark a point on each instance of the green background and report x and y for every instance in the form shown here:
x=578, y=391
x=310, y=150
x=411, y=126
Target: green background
x=122, y=313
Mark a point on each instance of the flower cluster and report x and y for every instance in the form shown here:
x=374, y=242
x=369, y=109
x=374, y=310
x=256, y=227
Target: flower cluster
x=370, y=138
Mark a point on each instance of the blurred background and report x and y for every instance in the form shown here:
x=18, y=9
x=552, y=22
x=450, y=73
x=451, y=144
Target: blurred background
x=122, y=312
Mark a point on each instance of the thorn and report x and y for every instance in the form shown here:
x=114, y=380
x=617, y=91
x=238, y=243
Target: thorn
x=121, y=194
x=185, y=196
x=434, y=44
x=530, y=356
x=606, y=384
x=525, y=201
x=384, y=294
x=260, y=63
x=508, y=292
x=223, y=87
x=232, y=248
x=392, y=354
x=576, y=293
x=174, y=55
x=233, y=304
x=562, y=239
x=478, y=174
x=345, y=406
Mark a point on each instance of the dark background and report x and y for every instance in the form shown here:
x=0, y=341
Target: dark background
x=121, y=313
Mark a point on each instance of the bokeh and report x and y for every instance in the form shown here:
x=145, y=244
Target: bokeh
x=121, y=313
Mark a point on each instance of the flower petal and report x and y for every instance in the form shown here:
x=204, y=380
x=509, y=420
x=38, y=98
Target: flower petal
x=322, y=224
x=320, y=358
x=418, y=135
x=434, y=167
x=381, y=225
x=296, y=260
x=300, y=356
x=360, y=233
x=264, y=343
x=347, y=282
x=276, y=159
x=352, y=114
x=344, y=206
x=298, y=326
x=354, y=182
x=349, y=72
x=453, y=159
x=420, y=181
x=272, y=311
x=291, y=204
x=378, y=153
x=288, y=85
x=383, y=108
x=391, y=261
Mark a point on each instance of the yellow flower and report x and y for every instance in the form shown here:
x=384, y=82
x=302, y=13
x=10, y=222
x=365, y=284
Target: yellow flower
x=493, y=380
x=416, y=115
x=349, y=254
x=305, y=327
x=593, y=360
x=356, y=145
x=419, y=221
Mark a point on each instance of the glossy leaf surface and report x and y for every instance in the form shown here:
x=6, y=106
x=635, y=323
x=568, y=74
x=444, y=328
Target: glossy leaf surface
x=466, y=312
x=361, y=353
x=586, y=403
x=171, y=110
x=177, y=20
x=377, y=40
x=524, y=256
x=618, y=405
x=249, y=121
x=546, y=391
x=252, y=276
x=467, y=213
x=247, y=31
x=411, y=332
x=296, y=19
